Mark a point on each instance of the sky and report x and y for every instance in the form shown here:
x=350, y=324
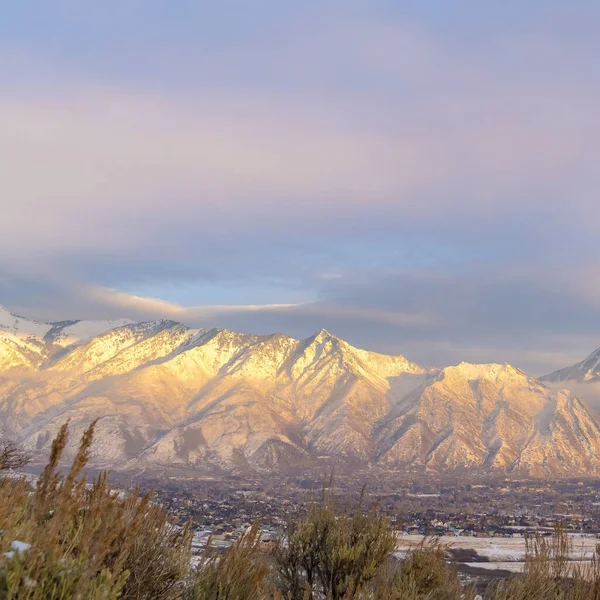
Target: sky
x=417, y=177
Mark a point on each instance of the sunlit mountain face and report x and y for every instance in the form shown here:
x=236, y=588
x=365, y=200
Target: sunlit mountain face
x=168, y=396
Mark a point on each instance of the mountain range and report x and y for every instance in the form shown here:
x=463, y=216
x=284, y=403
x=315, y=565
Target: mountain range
x=168, y=396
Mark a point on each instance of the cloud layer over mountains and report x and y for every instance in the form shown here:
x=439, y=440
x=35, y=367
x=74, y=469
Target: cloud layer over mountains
x=406, y=178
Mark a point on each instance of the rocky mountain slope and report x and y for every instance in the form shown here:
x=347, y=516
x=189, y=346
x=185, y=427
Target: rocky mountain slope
x=588, y=370
x=27, y=344
x=170, y=396
x=491, y=416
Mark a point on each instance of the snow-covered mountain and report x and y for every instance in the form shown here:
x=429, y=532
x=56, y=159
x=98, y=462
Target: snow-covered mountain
x=26, y=344
x=587, y=370
x=170, y=396
x=490, y=416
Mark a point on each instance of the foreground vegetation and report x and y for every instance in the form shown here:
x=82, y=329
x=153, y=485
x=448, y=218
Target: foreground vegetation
x=68, y=538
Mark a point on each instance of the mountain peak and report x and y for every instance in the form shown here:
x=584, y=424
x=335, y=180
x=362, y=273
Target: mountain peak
x=586, y=370
x=483, y=370
x=323, y=335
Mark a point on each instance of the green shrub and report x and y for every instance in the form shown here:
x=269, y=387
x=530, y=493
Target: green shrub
x=330, y=554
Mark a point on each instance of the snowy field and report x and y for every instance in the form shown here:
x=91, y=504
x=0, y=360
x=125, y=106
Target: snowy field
x=497, y=553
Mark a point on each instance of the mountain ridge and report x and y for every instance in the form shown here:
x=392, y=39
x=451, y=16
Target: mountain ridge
x=169, y=396
x=588, y=370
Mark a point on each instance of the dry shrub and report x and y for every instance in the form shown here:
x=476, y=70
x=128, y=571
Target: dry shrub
x=424, y=573
x=12, y=455
x=159, y=555
x=549, y=573
x=86, y=542
x=240, y=573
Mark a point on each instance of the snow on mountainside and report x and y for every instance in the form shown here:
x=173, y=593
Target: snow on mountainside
x=16, y=353
x=491, y=416
x=587, y=370
x=81, y=331
x=20, y=327
x=26, y=344
x=170, y=396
